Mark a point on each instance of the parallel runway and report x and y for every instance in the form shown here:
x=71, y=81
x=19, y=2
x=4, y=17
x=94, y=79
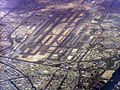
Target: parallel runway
x=40, y=39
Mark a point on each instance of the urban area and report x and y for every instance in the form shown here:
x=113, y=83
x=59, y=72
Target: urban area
x=59, y=44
